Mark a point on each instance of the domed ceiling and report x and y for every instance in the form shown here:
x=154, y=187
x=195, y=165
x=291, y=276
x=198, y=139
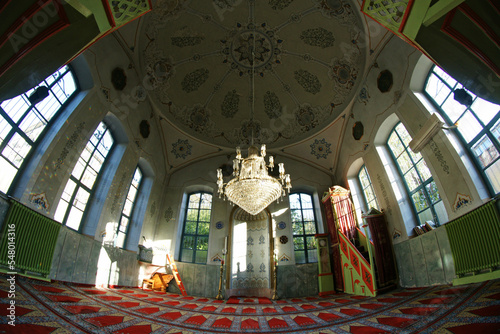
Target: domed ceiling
x=204, y=61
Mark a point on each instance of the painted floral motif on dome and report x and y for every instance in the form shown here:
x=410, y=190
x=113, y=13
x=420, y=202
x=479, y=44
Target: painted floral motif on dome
x=229, y=106
x=306, y=118
x=344, y=74
x=181, y=149
x=262, y=268
x=272, y=105
x=198, y=118
x=318, y=37
x=308, y=81
x=249, y=268
x=192, y=81
x=320, y=148
x=184, y=37
x=279, y=4
x=250, y=129
x=262, y=240
x=186, y=41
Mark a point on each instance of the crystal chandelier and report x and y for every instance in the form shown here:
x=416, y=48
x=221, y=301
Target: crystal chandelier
x=252, y=188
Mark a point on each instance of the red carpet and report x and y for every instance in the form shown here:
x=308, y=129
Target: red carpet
x=74, y=308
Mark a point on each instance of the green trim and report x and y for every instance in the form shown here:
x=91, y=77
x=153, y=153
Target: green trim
x=41, y=278
x=415, y=18
x=439, y=9
x=477, y=278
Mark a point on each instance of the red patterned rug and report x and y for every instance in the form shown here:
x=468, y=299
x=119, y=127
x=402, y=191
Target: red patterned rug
x=59, y=307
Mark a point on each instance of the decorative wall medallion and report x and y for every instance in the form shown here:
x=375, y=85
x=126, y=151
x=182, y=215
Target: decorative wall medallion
x=384, y=194
x=169, y=214
x=283, y=239
x=262, y=240
x=217, y=258
x=219, y=225
x=262, y=268
x=439, y=156
x=152, y=209
x=70, y=144
x=181, y=149
x=320, y=148
x=106, y=92
x=144, y=129
x=272, y=105
x=249, y=268
x=40, y=201
x=384, y=81
x=119, y=192
x=118, y=78
x=308, y=81
x=358, y=130
x=396, y=234
x=229, y=106
x=461, y=201
x=318, y=37
x=281, y=225
x=284, y=258
x=364, y=95
x=192, y=81
x=250, y=241
x=279, y=4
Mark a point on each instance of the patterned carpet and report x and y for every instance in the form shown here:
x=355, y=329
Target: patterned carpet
x=71, y=308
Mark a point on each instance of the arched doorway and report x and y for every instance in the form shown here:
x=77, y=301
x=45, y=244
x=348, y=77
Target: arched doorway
x=251, y=247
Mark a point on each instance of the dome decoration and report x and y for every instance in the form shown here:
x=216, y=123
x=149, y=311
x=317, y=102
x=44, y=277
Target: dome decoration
x=199, y=59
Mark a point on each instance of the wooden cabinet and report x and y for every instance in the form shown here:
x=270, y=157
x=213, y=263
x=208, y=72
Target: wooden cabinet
x=384, y=256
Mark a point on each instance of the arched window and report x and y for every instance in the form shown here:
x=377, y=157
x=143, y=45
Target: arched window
x=417, y=177
x=304, y=227
x=366, y=185
x=478, y=124
x=24, y=118
x=128, y=208
x=81, y=182
x=194, y=247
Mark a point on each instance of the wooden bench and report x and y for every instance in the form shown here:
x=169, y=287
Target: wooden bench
x=158, y=281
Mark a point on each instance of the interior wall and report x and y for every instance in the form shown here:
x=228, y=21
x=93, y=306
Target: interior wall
x=379, y=112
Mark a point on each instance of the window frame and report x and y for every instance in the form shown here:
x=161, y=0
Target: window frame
x=421, y=186
x=16, y=125
x=132, y=209
x=485, y=131
x=370, y=185
x=196, y=235
x=304, y=235
x=79, y=184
